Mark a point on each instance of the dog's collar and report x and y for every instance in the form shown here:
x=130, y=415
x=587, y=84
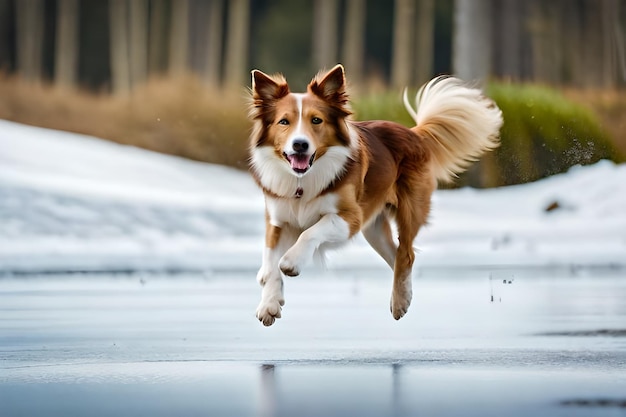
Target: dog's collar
x=299, y=190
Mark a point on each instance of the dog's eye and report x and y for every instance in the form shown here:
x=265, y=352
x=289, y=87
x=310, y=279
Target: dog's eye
x=283, y=122
x=316, y=120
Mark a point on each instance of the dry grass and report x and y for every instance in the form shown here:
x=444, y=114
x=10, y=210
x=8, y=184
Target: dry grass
x=610, y=108
x=178, y=116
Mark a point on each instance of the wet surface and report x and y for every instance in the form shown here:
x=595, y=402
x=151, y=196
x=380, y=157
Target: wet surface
x=474, y=343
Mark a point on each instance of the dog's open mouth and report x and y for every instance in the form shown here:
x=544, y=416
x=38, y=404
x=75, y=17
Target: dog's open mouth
x=300, y=162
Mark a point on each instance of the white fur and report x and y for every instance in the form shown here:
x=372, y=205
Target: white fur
x=305, y=226
x=298, y=213
x=331, y=229
x=276, y=175
x=298, y=133
x=299, y=97
x=355, y=139
x=270, y=278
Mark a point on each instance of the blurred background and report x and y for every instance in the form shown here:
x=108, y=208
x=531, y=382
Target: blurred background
x=171, y=75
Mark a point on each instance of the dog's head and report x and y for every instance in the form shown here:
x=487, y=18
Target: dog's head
x=300, y=127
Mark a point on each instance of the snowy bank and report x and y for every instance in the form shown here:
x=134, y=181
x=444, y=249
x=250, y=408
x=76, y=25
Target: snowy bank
x=71, y=202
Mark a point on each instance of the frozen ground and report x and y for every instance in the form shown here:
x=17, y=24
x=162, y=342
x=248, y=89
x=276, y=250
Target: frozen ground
x=147, y=345
x=70, y=202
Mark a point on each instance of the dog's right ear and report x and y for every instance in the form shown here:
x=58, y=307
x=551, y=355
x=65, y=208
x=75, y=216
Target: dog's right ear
x=266, y=87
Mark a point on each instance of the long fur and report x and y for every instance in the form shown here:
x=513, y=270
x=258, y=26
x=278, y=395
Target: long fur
x=458, y=122
x=326, y=178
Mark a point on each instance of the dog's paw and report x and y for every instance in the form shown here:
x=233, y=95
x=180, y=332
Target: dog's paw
x=289, y=266
x=400, y=302
x=262, y=276
x=268, y=311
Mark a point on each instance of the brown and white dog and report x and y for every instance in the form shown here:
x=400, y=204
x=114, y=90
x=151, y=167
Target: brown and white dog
x=325, y=177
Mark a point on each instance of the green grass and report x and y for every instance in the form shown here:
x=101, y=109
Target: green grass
x=381, y=106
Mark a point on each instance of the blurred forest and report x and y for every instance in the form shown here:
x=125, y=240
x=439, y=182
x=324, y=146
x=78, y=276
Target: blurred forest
x=116, y=44
x=169, y=74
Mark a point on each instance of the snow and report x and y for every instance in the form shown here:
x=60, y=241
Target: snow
x=70, y=202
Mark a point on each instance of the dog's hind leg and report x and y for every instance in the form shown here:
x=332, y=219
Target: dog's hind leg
x=413, y=208
x=277, y=241
x=378, y=235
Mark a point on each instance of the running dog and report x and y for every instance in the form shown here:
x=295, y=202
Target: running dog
x=326, y=177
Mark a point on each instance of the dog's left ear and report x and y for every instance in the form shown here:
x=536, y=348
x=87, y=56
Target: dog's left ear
x=331, y=87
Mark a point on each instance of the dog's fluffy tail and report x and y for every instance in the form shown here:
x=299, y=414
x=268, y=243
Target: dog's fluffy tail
x=457, y=124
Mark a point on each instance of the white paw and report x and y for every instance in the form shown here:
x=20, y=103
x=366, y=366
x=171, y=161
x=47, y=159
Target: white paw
x=268, y=311
x=262, y=276
x=400, y=302
x=289, y=266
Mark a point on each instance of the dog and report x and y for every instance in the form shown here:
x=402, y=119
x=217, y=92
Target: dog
x=326, y=178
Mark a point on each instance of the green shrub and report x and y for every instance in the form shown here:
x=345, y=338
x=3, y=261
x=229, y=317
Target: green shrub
x=381, y=106
x=543, y=134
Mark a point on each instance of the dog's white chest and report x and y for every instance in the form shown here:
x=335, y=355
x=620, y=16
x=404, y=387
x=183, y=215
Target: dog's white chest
x=300, y=212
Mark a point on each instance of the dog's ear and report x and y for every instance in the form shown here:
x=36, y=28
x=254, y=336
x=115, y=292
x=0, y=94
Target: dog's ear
x=267, y=87
x=331, y=86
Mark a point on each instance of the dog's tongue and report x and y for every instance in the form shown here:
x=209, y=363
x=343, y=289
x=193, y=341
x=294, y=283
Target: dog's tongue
x=299, y=163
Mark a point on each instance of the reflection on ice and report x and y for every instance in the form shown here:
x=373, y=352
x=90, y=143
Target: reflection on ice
x=398, y=390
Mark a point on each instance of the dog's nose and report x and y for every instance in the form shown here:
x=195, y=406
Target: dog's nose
x=300, y=145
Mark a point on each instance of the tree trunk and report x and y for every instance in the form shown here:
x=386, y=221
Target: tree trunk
x=325, y=39
x=66, y=46
x=620, y=44
x=29, y=40
x=573, y=46
x=353, y=49
x=508, y=39
x=471, y=49
x=5, y=45
x=214, y=44
x=425, y=41
x=179, y=37
x=237, y=42
x=545, y=33
x=402, y=50
x=593, y=49
x=554, y=48
x=118, y=29
x=198, y=18
x=157, y=48
x=609, y=9
x=138, y=41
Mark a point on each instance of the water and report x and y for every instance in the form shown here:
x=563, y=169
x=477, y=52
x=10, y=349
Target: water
x=483, y=343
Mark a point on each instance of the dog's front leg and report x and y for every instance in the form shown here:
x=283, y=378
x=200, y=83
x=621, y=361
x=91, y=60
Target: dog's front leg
x=277, y=241
x=331, y=228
